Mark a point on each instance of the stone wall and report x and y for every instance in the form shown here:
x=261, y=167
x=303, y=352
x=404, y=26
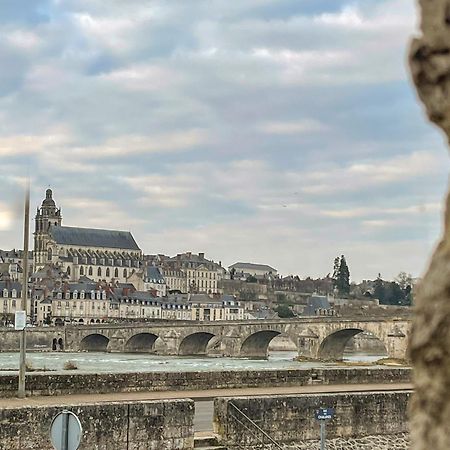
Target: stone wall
x=79, y=383
x=38, y=339
x=361, y=420
x=151, y=425
x=392, y=442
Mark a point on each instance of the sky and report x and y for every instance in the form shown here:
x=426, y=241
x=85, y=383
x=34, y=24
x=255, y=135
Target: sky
x=283, y=132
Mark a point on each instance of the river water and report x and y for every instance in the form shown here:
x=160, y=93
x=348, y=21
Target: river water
x=132, y=362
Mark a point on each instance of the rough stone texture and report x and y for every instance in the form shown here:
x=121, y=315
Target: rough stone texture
x=378, y=442
x=79, y=383
x=151, y=425
x=430, y=341
x=290, y=420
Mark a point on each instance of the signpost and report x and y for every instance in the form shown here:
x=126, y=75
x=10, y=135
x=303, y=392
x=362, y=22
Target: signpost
x=66, y=431
x=322, y=415
x=20, y=320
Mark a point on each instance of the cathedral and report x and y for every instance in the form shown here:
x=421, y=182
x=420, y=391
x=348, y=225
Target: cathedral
x=101, y=255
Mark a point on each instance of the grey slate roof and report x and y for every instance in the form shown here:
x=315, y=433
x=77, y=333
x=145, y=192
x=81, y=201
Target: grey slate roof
x=244, y=266
x=92, y=237
x=154, y=275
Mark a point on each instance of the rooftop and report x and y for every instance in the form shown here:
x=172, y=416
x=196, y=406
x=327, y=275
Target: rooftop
x=92, y=237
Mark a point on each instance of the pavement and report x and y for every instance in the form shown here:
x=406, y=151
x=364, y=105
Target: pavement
x=197, y=395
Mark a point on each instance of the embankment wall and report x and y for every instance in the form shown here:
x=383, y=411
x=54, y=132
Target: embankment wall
x=80, y=383
x=375, y=421
x=148, y=425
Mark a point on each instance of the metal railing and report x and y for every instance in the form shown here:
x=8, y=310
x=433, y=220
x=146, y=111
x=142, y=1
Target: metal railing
x=262, y=434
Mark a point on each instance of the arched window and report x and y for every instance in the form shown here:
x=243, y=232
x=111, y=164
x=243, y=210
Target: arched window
x=5, y=293
x=81, y=270
x=99, y=272
x=116, y=273
x=75, y=294
x=49, y=254
x=82, y=295
x=124, y=273
x=90, y=271
x=107, y=272
x=68, y=270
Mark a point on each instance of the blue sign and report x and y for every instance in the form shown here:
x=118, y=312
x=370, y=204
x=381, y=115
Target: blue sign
x=325, y=413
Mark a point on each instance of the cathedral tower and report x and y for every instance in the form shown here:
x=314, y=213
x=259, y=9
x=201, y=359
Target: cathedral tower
x=47, y=215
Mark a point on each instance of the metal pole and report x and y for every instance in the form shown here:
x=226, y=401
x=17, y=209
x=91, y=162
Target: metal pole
x=23, y=342
x=65, y=431
x=322, y=435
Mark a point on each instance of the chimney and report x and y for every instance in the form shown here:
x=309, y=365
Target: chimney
x=201, y=255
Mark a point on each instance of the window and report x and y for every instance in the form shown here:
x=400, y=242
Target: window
x=99, y=272
x=90, y=271
x=13, y=303
x=49, y=254
x=81, y=270
x=68, y=270
x=82, y=295
x=13, y=293
x=107, y=272
x=5, y=293
x=116, y=273
x=75, y=294
x=124, y=273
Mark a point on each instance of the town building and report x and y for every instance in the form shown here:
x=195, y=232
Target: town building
x=176, y=280
x=202, y=275
x=215, y=308
x=244, y=269
x=10, y=300
x=149, y=278
x=109, y=255
x=11, y=264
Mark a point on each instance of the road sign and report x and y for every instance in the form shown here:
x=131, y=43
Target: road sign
x=20, y=320
x=325, y=413
x=66, y=431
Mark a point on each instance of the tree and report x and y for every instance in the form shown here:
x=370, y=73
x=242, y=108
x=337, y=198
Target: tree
x=341, y=276
x=251, y=279
x=284, y=312
x=404, y=280
x=379, y=292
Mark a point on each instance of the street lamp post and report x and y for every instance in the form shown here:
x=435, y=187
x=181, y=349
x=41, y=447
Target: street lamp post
x=24, y=306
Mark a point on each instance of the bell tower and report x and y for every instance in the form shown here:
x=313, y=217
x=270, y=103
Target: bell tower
x=47, y=215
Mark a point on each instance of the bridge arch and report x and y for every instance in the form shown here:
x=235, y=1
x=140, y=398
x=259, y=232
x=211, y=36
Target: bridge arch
x=195, y=344
x=333, y=346
x=94, y=343
x=257, y=344
x=141, y=343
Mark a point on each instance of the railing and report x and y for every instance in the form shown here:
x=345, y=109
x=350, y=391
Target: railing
x=262, y=434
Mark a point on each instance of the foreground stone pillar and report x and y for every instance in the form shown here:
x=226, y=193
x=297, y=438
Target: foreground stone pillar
x=430, y=341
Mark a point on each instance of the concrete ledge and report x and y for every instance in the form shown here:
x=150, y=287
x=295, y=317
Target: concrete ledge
x=79, y=383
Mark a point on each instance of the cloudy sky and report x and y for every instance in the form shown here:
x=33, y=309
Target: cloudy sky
x=275, y=131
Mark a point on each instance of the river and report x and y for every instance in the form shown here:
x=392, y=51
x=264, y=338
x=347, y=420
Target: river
x=138, y=362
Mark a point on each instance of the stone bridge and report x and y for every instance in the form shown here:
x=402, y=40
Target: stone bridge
x=321, y=337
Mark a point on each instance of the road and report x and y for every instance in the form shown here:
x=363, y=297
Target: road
x=203, y=399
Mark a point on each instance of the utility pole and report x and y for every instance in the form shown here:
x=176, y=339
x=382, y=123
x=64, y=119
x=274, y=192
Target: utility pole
x=24, y=303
